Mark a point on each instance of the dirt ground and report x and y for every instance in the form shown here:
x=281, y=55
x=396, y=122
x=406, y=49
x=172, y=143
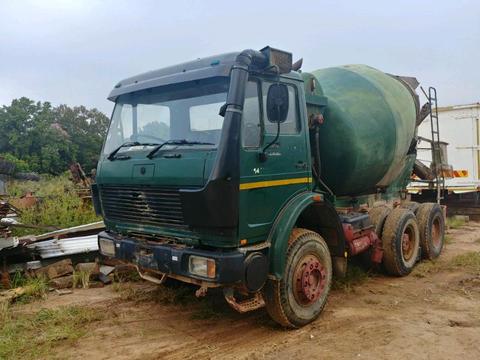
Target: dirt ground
x=432, y=314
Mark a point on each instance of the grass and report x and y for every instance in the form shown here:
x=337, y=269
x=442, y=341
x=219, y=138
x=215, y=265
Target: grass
x=181, y=294
x=455, y=222
x=33, y=336
x=426, y=267
x=59, y=205
x=35, y=288
x=81, y=279
x=355, y=276
x=448, y=239
x=32, y=287
x=468, y=261
x=4, y=312
x=209, y=307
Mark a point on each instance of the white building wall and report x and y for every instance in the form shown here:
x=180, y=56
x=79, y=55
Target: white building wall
x=459, y=127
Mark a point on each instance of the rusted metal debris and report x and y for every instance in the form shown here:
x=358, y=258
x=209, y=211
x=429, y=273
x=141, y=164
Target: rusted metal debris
x=18, y=253
x=7, y=211
x=25, y=201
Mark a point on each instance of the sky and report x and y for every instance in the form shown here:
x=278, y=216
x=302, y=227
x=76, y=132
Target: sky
x=74, y=51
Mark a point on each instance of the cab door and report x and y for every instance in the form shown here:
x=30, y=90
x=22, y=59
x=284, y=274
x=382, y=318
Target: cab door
x=266, y=186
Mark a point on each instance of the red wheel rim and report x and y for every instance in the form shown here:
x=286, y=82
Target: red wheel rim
x=436, y=232
x=408, y=243
x=310, y=280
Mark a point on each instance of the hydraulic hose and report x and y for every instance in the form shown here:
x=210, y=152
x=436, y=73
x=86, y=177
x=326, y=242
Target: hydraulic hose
x=318, y=160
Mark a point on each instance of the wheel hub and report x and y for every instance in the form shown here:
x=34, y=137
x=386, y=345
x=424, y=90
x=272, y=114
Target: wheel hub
x=436, y=233
x=407, y=244
x=310, y=279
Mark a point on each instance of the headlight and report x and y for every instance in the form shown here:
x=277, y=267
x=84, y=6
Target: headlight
x=107, y=247
x=201, y=266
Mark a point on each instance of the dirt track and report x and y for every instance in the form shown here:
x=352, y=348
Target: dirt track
x=422, y=316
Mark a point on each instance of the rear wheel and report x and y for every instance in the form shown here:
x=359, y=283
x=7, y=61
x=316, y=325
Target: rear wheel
x=431, y=224
x=401, y=241
x=300, y=296
x=378, y=215
x=410, y=205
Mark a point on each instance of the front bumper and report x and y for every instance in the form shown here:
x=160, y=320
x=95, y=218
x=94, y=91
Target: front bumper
x=173, y=259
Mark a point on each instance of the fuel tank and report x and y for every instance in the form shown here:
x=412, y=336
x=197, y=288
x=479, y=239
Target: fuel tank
x=368, y=127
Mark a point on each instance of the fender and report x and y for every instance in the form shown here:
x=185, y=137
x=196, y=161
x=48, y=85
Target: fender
x=304, y=211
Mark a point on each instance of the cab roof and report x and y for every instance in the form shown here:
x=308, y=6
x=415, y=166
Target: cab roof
x=213, y=66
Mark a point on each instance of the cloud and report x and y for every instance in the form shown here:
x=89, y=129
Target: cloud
x=73, y=52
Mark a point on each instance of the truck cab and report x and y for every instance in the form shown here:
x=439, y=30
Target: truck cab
x=208, y=175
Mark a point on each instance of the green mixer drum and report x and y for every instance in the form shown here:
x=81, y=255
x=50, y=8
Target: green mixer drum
x=368, y=128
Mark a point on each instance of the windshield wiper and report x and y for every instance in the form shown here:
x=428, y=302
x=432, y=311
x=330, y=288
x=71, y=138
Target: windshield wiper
x=176, y=142
x=111, y=156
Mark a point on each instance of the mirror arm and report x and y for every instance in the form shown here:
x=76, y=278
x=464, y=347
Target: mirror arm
x=263, y=156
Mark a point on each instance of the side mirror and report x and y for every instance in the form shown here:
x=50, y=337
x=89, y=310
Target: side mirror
x=277, y=111
x=277, y=103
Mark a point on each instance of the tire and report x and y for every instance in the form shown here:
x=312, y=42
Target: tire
x=286, y=301
x=401, y=242
x=410, y=205
x=378, y=215
x=431, y=225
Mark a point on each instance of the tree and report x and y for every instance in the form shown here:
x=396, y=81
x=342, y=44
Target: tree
x=48, y=139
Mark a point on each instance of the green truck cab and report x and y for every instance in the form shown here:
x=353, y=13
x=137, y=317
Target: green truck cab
x=240, y=171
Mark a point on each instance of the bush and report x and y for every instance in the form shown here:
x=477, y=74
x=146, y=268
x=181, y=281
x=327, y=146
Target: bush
x=17, y=164
x=59, y=205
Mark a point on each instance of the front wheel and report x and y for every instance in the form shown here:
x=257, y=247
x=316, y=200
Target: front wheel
x=300, y=296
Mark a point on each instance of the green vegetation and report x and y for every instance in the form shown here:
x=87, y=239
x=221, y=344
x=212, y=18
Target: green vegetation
x=455, y=222
x=59, y=205
x=468, y=261
x=448, y=239
x=32, y=287
x=165, y=295
x=355, y=276
x=81, y=279
x=45, y=139
x=32, y=336
x=178, y=294
x=423, y=268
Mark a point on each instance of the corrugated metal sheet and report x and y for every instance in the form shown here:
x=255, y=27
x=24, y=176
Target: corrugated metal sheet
x=64, y=247
x=87, y=227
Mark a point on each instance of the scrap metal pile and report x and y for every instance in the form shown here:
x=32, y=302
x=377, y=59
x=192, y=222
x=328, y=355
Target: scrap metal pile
x=65, y=258
x=8, y=213
x=78, y=244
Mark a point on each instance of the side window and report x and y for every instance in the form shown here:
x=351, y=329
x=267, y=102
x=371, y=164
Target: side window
x=251, y=128
x=291, y=124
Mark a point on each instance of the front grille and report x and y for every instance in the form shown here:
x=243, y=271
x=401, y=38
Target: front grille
x=143, y=205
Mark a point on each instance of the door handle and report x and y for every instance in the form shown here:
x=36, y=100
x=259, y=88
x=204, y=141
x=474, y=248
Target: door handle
x=301, y=165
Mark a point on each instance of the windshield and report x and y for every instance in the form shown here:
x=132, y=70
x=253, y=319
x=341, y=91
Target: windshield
x=187, y=111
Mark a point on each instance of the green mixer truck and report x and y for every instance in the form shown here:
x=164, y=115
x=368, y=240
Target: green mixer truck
x=241, y=171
